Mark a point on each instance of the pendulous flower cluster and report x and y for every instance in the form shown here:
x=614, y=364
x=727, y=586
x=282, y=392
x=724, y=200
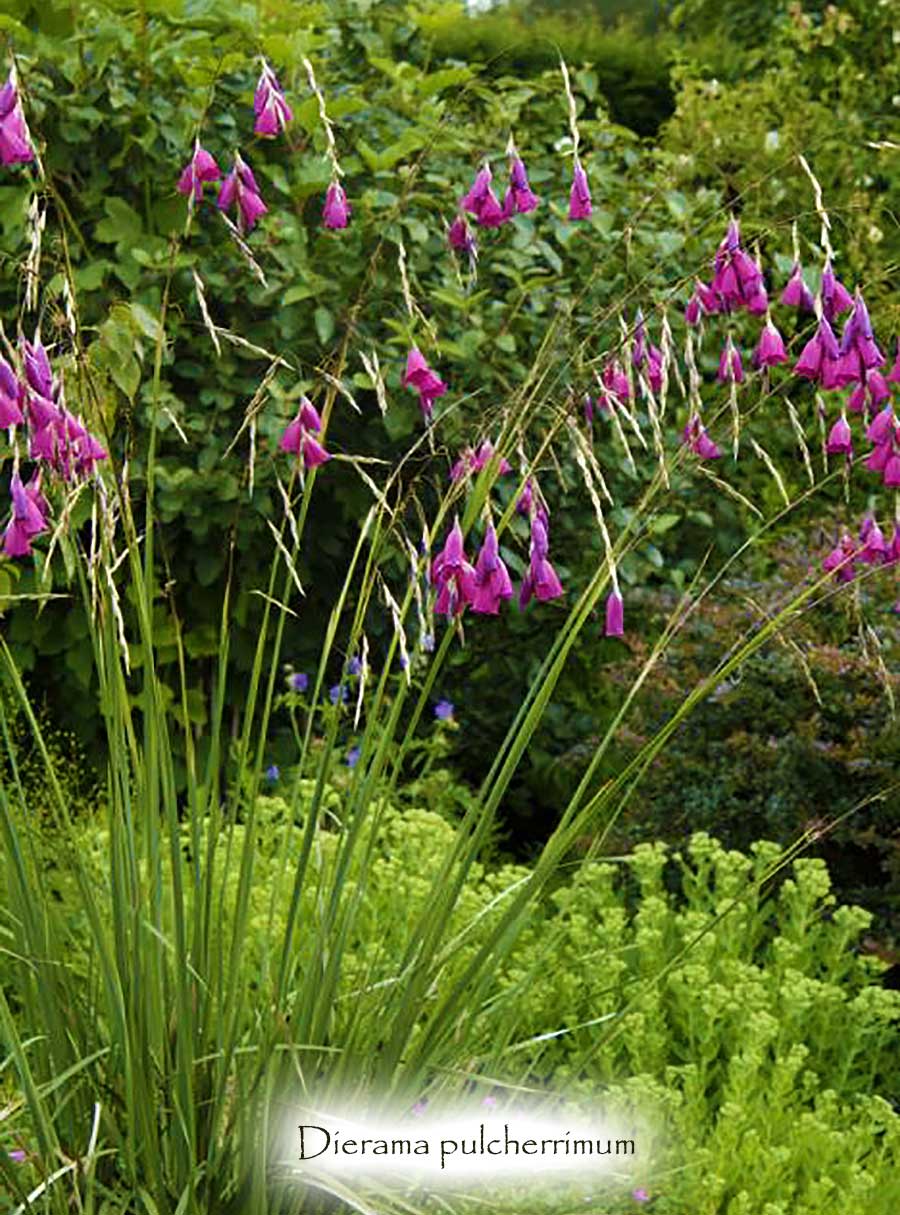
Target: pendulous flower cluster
x=58, y=442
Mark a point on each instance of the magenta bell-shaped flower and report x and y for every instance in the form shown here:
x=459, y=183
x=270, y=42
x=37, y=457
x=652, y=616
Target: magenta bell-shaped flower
x=240, y=189
x=453, y=576
x=336, y=212
x=11, y=397
x=796, y=294
x=15, y=139
x=580, y=194
x=820, y=357
x=272, y=110
x=492, y=583
x=840, y=439
x=426, y=382
x=770, y=349
x=699, y=442
x=461, y=238
x=835, y=296
x=519, y=198
x=199, y=169
x=299, y=436
x=615, y=615
x=731, y=369
x=738, y=280
x=541, y=580
x=482, y=202
x=841, y=558
x=27, y=519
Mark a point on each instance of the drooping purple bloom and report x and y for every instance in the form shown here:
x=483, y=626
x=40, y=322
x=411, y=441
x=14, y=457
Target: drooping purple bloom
x=738, y=280
x=298, y=681
x=640, y=1195
x=525, y=499
x=835, y=296
x=338, y=694
x=820, y=357
x=870, y=393
x=615, y=381
x=796, y=294
x=881, y=428
x=840, y=438
x=770, y=349
x=353, y=757
x=731, y=368
x=615, y=615
x=427, y=383
x=874, y=548
x=27, y=519
x=443, y=711
x=452, y=575
x=492, y=582
x=699, y=442
x=11, y=397
x=199, y=169
x=272, y=774
x=841, y=558
x=859, y=350
x=15, y=139
x=519, y=196
x=355, y=666
x=240, y=189
x=461, y=237
x=37, y=368
x=482, y=202
x=17, y=1156
x=541, y=580
x=336, y=212
x=272, y=110
x=299, y=436
x=580, y=194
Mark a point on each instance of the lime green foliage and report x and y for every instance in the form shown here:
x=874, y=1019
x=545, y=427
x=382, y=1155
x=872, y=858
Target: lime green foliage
x=741, y=1021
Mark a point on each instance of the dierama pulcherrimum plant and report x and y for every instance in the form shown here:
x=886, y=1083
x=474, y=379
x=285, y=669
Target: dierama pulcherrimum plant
x=154, y=1084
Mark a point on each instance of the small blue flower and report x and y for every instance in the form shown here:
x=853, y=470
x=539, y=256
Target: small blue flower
x=298, y=682
x=354, y=666
x=352, y=757
x=272, y=773
x=443, y=710
x=337, y=693
x=428, y=643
